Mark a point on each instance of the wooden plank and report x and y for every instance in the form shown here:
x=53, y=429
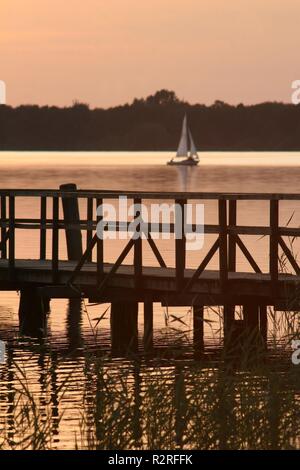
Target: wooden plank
x=222, y=206
x=43, y=211
x=94, y=193
x=180, y=242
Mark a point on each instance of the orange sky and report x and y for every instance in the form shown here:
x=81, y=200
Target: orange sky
x=106, y=52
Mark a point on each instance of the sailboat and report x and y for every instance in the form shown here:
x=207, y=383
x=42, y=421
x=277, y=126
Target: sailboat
x=186, y=152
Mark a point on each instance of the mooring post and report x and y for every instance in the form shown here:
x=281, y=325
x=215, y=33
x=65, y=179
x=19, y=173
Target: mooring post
x=32, y=313
x=124, y=327
x=74, y=247
x=198, y=328
x=148, y=325
x=71, y=216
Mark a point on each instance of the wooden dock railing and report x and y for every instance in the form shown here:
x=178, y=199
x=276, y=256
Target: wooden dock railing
x=226, y=229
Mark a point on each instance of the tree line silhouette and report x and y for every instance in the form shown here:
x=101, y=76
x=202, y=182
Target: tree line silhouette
x=153, y=123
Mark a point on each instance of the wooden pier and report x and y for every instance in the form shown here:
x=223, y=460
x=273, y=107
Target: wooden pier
x=84, y=274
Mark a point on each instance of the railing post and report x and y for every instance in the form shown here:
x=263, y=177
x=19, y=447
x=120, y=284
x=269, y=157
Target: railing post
x=55, y=230
x=3, y=228
x=100, y=255
x=11, y=242
x=231, y=241
x=180, y=246
x=223, y=243
x=43, y=228
x=274, y=215
x=138, y=260
x=89, y=231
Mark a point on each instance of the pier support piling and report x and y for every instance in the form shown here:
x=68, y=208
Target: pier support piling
x=32, y=313
x=124, y=327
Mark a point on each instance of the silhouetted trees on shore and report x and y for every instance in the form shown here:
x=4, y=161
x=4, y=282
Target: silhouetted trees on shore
x=153, y=123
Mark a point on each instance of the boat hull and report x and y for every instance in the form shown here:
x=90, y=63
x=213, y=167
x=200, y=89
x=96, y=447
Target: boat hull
x=187, y=162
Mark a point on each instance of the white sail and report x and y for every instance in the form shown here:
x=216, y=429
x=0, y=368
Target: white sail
x=183, y=144
x=193, y=150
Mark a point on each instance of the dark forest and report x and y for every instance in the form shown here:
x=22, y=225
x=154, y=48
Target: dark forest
x=153, y=123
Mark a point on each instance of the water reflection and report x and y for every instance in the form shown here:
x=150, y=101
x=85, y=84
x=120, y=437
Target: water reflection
x=84, y=395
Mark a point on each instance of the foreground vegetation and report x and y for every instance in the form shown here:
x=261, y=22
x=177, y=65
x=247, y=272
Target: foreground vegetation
x=250, y=402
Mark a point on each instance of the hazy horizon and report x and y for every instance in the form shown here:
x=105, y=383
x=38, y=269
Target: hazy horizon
x=108, y=53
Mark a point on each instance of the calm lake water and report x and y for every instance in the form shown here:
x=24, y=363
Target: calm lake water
x=68, y=337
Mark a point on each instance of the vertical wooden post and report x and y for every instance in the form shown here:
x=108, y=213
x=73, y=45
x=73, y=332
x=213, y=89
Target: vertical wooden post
x=89, y=231
x=71, y=216
x=55, y=215
x=231, y=241
x=180, y=243
x=32, y=317
x=124, y=329
x=3, y=228
x=251, y=315
x=148, y=325
x=198, y=328
x=43, y=228
x=274, y=215
x=223, y=244
x=138, y=267
x=100, y=245
x=11, y=243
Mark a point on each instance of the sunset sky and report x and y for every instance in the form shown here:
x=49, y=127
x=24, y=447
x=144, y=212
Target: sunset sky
x=106, y=52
